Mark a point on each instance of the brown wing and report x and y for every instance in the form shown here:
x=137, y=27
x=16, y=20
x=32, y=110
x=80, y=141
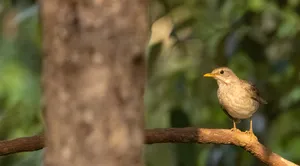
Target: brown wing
x=254, y=93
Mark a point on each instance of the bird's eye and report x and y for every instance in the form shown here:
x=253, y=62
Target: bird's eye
x=222, y=72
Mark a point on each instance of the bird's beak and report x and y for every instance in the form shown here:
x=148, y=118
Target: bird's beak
x=209, y=75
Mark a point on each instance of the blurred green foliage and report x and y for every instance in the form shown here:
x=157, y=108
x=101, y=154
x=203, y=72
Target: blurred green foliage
x=20, y=67
x=258, y=39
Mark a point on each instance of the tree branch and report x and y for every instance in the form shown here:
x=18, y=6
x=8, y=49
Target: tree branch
x=24, y=144
x=216, y=136
x=172, y=135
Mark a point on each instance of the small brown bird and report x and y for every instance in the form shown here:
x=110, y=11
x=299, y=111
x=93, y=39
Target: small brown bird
x=238, y=98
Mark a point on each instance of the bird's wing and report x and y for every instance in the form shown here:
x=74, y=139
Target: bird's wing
x=253, y=91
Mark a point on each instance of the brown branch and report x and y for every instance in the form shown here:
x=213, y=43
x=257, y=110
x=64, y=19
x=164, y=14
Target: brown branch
x=25, y=144
x=216, y=136
x=172, y=135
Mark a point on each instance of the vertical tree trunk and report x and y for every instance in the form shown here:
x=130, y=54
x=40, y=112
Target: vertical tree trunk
x=93, y=80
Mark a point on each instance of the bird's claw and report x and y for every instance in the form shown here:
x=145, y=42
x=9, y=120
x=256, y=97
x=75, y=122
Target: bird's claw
x=235, y=130
x=251, y=134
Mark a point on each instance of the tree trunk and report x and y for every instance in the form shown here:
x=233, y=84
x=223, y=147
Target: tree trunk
x=93, y=81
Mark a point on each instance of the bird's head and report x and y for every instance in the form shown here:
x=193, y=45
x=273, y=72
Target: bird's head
x=223, y=75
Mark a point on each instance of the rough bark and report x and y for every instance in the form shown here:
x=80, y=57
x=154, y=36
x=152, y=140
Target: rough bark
x=93, y=81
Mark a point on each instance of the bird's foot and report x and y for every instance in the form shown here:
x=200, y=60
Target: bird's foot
x=235, y=130
x=251, y=134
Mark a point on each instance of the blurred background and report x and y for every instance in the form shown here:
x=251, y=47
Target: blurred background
x=20, y=68
x=258, y=39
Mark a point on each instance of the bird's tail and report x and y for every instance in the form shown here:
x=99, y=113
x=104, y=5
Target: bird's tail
x=262, y=101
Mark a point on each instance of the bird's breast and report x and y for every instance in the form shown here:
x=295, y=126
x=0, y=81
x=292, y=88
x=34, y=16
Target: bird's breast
x=237, y=102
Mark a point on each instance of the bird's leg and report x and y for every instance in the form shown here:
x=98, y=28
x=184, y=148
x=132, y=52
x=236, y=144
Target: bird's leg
x=251, y=130
x=234, y=126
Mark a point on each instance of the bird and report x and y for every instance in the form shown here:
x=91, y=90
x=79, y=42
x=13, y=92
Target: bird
x=238, y=98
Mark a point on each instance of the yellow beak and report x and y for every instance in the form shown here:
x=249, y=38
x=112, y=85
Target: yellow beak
x=209, y=75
